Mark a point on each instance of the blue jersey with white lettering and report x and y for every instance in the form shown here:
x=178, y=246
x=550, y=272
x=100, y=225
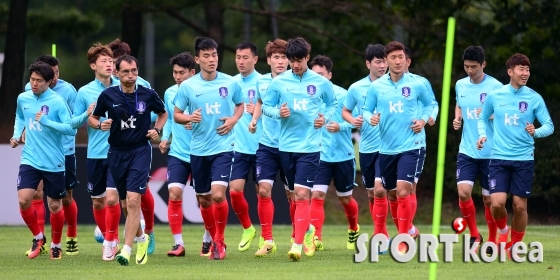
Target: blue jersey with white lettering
x=513, y=109
x=369, y=135
x=338, y=146
x=98, y=140
x=245, y=141
x=130, y=113
x=43, y=140
x=304, y=96
x=217, y=99
x=270, y=132
x=399, y=104
x=181, y=142
x=470, y=97
x=68, y=93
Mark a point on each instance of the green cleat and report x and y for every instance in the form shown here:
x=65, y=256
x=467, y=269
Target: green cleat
x=308, y=244
x=318, y=244
x=246, y=238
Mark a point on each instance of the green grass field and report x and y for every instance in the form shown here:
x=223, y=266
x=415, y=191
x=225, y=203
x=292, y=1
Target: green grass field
x=336, y=262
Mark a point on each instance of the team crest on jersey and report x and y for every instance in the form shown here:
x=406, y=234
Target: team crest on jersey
x=168, y=173
x=251, y=94
x=45, y=109
x=406, y=91
x=458, y=172
x=18, y=180
x=141, y=107
x=492, y=184
x=523, y=106
x=482, y=97
x=90, y=186
x=223, y=92
x=311, y=90
x=258, y=171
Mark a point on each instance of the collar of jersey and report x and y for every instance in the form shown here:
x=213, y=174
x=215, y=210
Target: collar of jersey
x=302, y=76
x=46, y=93
x=512, y=89
x=250, y=76
x=399, y=81
x=100, y=84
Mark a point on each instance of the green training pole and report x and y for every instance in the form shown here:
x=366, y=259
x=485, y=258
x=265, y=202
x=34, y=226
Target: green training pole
x=54, y=50
x=442, y=133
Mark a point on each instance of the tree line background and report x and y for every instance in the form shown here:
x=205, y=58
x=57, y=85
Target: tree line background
x=158, y=29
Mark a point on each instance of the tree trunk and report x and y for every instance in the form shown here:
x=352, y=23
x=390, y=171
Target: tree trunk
x=132, y=29
x=13, y=67
x=215, y=26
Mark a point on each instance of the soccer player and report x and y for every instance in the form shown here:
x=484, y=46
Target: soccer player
x=68, y=93
x=300, y=94
x=246, y=143
x=471, y=93
x=46, y=117
x=178, y=159
x=515, y=107
x=369, y=136
x=100, y=186
x=128, y=108
x=397, y=99
x=337, y=164
x=120, y=48
x=268, y=156
x=215, y=104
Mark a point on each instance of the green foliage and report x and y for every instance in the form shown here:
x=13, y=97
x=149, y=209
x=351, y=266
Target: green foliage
x=48, y=24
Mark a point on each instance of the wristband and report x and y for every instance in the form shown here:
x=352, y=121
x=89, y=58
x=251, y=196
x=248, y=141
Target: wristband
x=99, y=126
x=157, y=130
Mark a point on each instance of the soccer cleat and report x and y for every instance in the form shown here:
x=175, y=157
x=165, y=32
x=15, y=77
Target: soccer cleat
x=206, y=248
x=151, y=243
x=308, y=244
x=403, y=248
x=123, y=258
x=109, y=252
x=265, y=249
x=177, y=251
x=36, y=247
x=503, y=238
x=416, y=233
x=218, y=251
x=352, y=237
x=142, y=250
x=292, y=240
x=72, y=246
x=261, y=242
x=386, y=251
x=43, y=249
x=318, y=244
x=246, y=238
x=489, y=251
x=295, y=252
x=476, y=239
x=56, y=253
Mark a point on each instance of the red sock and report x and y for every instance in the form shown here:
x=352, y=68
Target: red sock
x=379, y=214
x=301, y=219
x=516, y=236
x=351, y=210
x=99, y=217
x=265, y=208
x=371, y=210
x=220, y=216
x=147, y=205
x=317, y=215
x=71, y=217
x=57, y=225
x=208, y=219
x=175, y=216
x=241, y=208
x=413, y=206
x=394, y=211
x=292, y=214
x=30, y=218
x=404, y=214
x=112, y=222
x=39, y=206
x=501, y=223
x=492, y=228
x=469, y=214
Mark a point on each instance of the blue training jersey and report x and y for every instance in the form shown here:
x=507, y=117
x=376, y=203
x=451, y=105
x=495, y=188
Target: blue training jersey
x=470, y=97
x=217, y=99
x=43, y=140
x=245, y=141
x=270, y=132
x=181, y=142
x=98, y=140
x=399, y=104
x=369, y=135
x=338, y=146
x=513, y=109
x=304, y=96
x=68, y=93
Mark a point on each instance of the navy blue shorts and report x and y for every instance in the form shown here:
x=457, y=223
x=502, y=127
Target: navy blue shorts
x=242, y=164
x=468, y=169
x=342, y=173
x=211, y=170
x=53, y=182
x=511, y=176
x=268, y=165
x=369, y=163
x=406, y=166
x=70, y=173
x=178, y=172
x=99, y=177
x=130, y=168
x=300, y=168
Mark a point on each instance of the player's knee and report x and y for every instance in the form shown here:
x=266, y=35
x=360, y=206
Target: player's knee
x=301, y=194
x=205, y=201
x=55, y=206
x=66, y=201
x=344, y=200
x=175, y=194
x=133, y=200
x=218, y=197
x=487, y=202
x=24, y=203
x=264, y=193
x=38, y=195
x=318, y=195
x=380, y=192
x=519, y=208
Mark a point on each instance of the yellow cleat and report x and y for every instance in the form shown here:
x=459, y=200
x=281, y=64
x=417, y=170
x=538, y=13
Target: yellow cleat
x=142, y=250
x=318, y=244
x=352, y=237
x=72, y=246
x=308, y=244
x=265, y=249
x=295, y=252
x=246, y=238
